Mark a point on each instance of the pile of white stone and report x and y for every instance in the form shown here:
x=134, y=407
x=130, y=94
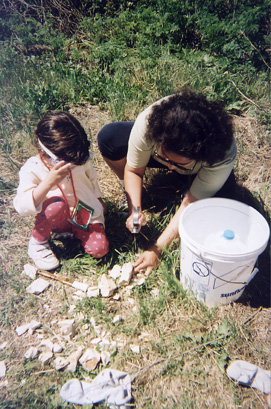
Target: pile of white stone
x=57, y=350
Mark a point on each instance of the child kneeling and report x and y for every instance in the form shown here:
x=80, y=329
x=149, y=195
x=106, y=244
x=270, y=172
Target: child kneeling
x=59, y=186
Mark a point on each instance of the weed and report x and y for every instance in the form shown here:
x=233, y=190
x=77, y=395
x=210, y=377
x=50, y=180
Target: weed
x=122, y=56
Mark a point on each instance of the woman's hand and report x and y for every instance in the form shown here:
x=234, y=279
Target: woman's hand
x=130, y=221
x=148, y=260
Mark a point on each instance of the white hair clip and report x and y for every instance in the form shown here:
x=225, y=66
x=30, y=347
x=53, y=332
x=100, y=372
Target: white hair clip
x=53, y=158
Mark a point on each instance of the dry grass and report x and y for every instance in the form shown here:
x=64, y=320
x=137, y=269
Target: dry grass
x=184, y=347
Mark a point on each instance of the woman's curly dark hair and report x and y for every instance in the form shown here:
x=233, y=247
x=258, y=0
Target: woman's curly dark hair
x=189, y=125
x=64, y=136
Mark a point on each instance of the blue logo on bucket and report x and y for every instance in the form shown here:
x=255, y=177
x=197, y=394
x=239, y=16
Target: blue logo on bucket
x=200, y=269
x=233, y=293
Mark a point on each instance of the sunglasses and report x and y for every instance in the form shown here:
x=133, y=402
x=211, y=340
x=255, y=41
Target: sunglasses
x=176, y=165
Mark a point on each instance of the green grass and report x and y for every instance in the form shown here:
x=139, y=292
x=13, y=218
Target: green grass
x=121, y=60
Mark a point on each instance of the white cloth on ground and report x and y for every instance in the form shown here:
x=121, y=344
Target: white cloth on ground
x=110, y=386
x=248, y=374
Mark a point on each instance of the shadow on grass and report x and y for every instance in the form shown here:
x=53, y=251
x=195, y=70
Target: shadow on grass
x=160, y=197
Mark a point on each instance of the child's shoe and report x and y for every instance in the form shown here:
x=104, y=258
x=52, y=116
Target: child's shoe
x=42, y=255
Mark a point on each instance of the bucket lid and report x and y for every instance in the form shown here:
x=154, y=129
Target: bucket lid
x=224, y=228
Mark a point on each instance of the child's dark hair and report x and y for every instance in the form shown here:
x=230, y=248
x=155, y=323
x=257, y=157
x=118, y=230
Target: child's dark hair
x=64, y=136
x=188, y=124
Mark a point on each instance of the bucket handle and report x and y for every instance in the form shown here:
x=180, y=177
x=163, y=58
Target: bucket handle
x=254, y=272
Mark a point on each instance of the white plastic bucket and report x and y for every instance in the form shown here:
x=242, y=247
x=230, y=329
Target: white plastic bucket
x=221, y=240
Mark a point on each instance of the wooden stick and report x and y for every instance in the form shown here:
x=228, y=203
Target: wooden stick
x=54, y=277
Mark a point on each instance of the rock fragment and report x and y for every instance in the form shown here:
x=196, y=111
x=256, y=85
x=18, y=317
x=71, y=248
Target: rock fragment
x=22, y=329
x=38, y=286
x=3, y=346
x=60, y=363
x=45, y=356
x=93, y=292
x=105, y=357
x=3, y=369
x=117, y=319
x=47, y=343
x=90, y=359
x=31, y=353
x=30, y=271
x=135, y=348
x=154, y=292
x=115, y=272
x=67, y=327
x=106, y=286
x=73, y=360
x=57, y=348
x=126, y=274
x=33, y=326
x=80, y=286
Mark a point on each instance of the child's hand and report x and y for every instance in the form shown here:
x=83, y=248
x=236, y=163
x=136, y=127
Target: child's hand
x=54, y=177
x=57, y=173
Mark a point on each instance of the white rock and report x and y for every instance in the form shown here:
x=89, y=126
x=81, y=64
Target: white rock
x=116, y=297
x=72, y=308
x=117, y=319
x=80, y=286
x=135, y=348
x=98, y=329
x=60, y=363
x=121, y=344
x=57, y=348
x=154, y=292
x=131, y=301
x=79, y=294
x=38, y=286
x=30, y=271
x=47, y=308
x=53, y=322
x=22, y=329
x=141, y=281
x=73, y=360
x=47, y=343
x=34, y=325
x=3, y=369
x=105, y=357
x=76, y=298
x=106, y=286
x=80, y=316
x=67, y=327
x=126, y=274
x=105, y=342
x=115, y=272
x=4, y=384
x=145, y=336
x=31, y=353
x=95, y=341
x=93, y=292
x=90, y=359
x=45, y=356
x=3, y=346
x=92, y=321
